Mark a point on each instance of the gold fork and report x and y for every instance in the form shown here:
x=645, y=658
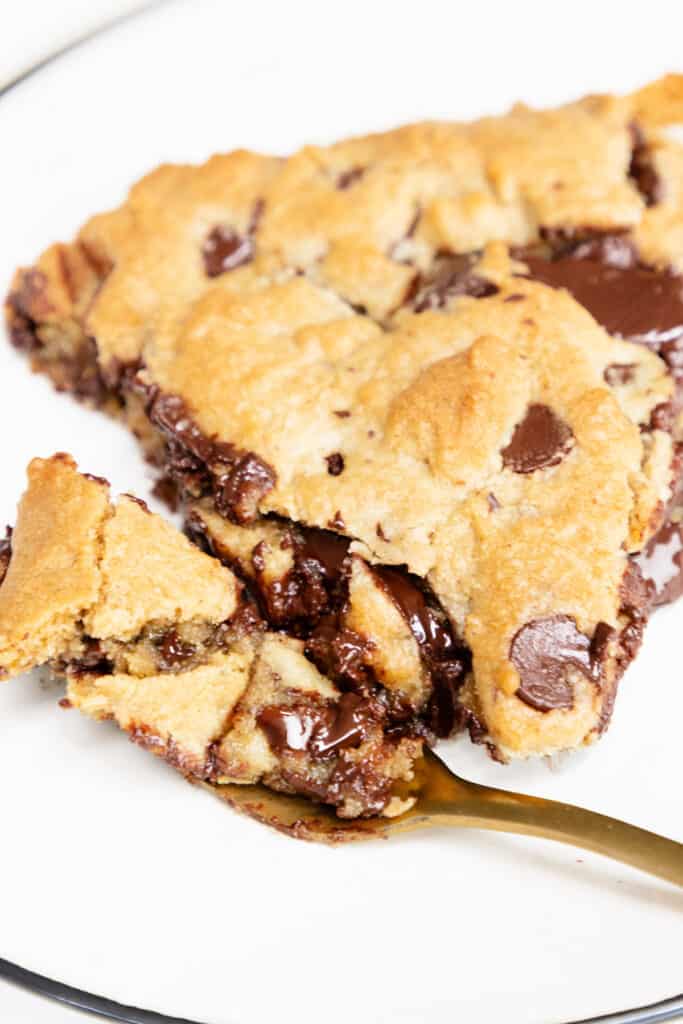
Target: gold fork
x=442, y=798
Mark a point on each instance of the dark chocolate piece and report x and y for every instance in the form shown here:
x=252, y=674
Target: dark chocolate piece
x=542, y=651
x=642, y=170
x=538, y=441
x=631, y=302
x=447, y=660
x=318, y=729
x=451, y=275
x=237, y=480
x=335, y=463
x=174, y=652
x=224, y=249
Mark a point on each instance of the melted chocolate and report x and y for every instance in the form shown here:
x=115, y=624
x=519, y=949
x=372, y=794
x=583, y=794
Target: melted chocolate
x=311, y=587
x=340, y=653
x=450, y=276
x=320, y=730
x=446, y=660
x=93, y=661
x=237, y=479
x=540, y=440
x=542, y=651
x=174, y=653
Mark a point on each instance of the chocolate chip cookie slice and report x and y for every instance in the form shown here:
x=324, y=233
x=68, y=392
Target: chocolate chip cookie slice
x=358, y=340
x=151, y=632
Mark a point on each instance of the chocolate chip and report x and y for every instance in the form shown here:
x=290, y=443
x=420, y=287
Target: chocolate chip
x=174, y=652
x=636, y=303
x=350, y=177
x=451, y=275
x=335, y=463
x=240, y=490
x=620, y=373
x=642, y=170
x=542, y=652
x=538, y=441
x=224, y=249
x=343, y=414
x=319, y=730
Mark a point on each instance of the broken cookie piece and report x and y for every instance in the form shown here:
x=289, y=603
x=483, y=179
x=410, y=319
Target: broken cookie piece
x=151, y=632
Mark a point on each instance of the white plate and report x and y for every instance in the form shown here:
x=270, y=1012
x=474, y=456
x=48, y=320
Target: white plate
x=118, y=877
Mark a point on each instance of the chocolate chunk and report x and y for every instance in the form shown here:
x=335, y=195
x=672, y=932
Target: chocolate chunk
x=350, y=177
x=340, y=653
x=542, y=651
x=538, y=441
x=335, y=463
x=93, y=661
x=237, y=479
x=5, y=552
x=224, y=249
x=239, y=491
x=635, y=303
x=318, y=729
x=642, y=170
x=174, y=652
x=166, y=490
x=430, y=629
x=451, y=275
x=617, y=374
x=325, y=548
x=306, y=592
x=446, y=660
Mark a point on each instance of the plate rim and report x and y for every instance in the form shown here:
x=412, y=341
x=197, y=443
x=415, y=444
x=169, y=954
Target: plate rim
x=100, y=1006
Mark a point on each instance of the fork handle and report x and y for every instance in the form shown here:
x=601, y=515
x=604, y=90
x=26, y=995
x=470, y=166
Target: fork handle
x=531, y=816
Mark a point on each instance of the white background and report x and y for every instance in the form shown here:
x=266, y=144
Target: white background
x=374, y=64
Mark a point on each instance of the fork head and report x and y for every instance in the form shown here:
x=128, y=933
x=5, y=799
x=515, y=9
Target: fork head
x=432, y=785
